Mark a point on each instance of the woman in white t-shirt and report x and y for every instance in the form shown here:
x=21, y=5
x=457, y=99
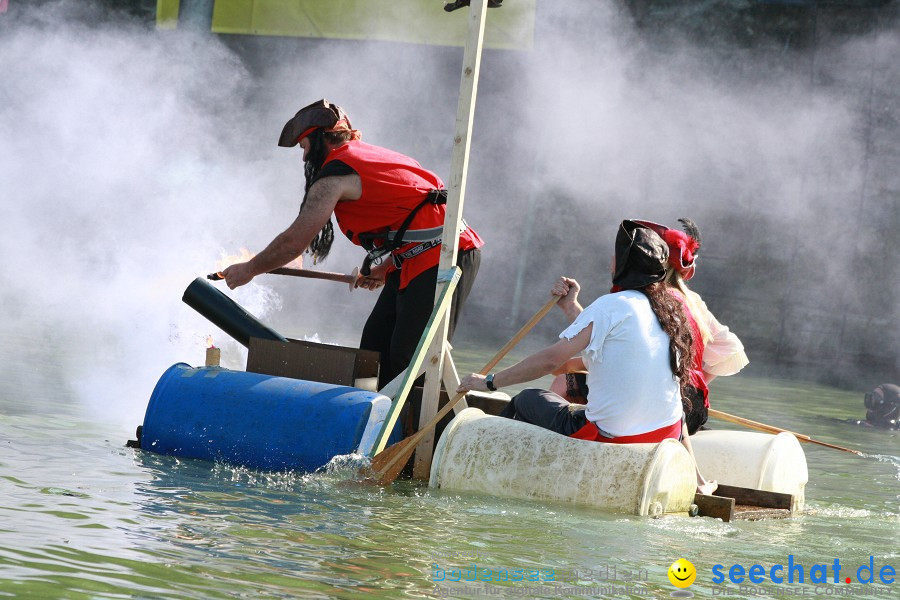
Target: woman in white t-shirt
x=636, y=345
x=717, y=351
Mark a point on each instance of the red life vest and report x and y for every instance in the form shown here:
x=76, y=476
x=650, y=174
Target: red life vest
x=393, y=185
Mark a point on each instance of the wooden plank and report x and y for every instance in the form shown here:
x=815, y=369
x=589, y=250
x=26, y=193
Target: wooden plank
x=406, y=21
x=312, y=361
x=451, y=380
x=456, y=193
x=755, y=513
x=167, y=13
x=717, y=507
x=440, y=310
x=757, y=498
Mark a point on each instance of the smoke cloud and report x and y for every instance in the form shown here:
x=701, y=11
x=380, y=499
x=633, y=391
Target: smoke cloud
x=129, y=168
x=134, y=159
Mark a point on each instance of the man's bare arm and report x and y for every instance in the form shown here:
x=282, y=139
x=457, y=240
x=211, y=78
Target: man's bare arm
x=292, y=242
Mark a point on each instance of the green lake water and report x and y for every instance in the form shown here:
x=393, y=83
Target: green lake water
x=82, y=516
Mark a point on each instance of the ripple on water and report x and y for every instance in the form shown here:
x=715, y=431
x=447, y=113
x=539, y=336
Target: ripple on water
x=841, y=512
x=81, y=515
x=888, y=459
x=697, y=527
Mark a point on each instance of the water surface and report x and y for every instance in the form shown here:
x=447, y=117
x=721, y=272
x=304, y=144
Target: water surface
x=82, y=516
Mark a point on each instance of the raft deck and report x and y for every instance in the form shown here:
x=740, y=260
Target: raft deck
x=731, y=503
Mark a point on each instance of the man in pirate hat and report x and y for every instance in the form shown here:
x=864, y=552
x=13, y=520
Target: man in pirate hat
x=635, y=345
x=388, y=204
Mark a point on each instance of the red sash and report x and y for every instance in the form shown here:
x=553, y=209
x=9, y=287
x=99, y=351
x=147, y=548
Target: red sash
x=590, y=433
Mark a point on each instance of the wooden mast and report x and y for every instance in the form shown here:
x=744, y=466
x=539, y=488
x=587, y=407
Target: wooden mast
x=434, y=370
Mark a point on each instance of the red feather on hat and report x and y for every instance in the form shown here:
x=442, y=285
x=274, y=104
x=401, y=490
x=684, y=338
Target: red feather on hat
x=683, y=247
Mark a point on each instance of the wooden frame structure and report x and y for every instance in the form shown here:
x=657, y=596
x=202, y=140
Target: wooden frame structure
x=438, y=364
x=432, y=354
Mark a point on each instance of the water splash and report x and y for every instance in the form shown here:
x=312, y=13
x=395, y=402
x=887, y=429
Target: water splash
x=889, y=459
x=273, y=480
x=348, y=469
x=347, y=462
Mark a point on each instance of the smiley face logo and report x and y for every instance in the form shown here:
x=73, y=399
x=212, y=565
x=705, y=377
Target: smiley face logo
x=682, y=573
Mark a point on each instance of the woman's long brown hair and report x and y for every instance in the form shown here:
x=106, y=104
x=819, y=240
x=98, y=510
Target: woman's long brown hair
x=670, y=312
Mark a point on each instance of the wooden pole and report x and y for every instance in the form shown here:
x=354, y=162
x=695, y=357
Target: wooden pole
x=447, y=288
x=350, y=278
x=456, y=192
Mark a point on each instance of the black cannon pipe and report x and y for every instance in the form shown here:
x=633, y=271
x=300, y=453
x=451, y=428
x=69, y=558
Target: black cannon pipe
x=226, y=314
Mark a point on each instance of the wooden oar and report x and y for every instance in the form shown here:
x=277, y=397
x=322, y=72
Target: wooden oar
x=772, y=429
x=387, y=464
x=341, y=277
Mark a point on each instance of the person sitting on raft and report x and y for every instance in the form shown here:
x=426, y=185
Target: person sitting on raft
x=637, y=348
x=717, y=350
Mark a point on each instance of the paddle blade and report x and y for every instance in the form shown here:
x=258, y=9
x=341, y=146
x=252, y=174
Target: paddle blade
x=388, y=464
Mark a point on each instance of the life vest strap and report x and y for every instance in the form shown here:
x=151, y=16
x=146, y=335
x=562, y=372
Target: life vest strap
x=378, y=244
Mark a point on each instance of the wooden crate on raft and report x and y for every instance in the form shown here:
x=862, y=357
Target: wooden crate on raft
x=731, y=503
x=313, y=361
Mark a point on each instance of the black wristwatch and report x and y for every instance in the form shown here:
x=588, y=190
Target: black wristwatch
x=489, y=382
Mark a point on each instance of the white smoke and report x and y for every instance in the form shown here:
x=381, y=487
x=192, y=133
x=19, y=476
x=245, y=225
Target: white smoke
x=132, y=159
x=127, y=171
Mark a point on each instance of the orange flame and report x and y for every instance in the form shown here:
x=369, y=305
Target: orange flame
x=209, y=342
x=244, y=255
x=228, y=260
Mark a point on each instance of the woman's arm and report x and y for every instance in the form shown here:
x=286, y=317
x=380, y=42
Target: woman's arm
x=724, y=353
x=533, y=367
x=567, y=289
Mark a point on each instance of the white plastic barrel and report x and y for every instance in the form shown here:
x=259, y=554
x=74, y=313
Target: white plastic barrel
x=492, y=455
x=774, y=463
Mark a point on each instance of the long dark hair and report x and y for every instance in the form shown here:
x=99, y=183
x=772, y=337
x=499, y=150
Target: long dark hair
x=674, y=321
x=320, y=246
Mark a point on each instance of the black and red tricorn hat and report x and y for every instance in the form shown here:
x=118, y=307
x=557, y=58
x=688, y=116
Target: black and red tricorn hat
x=684, y=246
x=320, y=114
x=641, y=256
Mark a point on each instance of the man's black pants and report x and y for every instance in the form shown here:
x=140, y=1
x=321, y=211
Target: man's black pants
x=399, y=317
x=546, y=409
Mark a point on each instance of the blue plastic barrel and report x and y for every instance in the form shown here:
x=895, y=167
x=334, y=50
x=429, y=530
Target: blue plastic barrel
x=259, y=421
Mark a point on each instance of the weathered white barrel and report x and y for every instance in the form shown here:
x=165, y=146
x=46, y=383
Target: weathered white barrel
x=502, y=457
x=774, y=463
